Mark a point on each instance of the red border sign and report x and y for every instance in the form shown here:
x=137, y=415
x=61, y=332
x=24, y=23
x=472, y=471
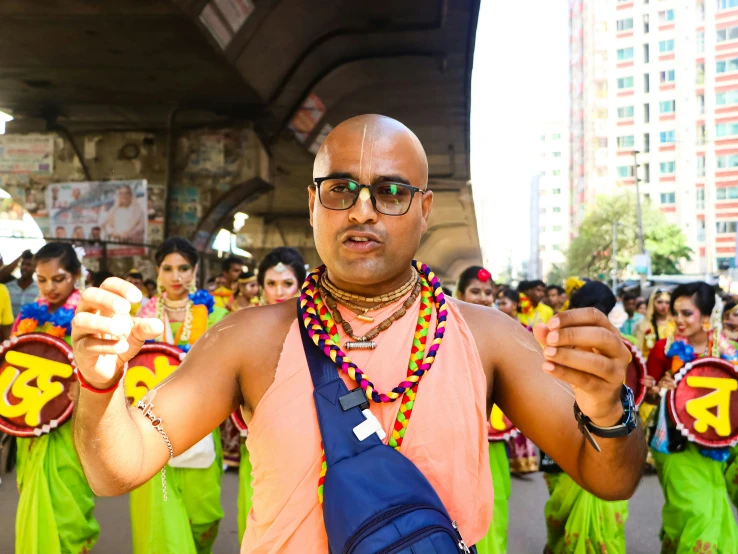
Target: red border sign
x=58, y=406
x=635, y=373
x=705, y=389
x=138, y=381
x=507, y=431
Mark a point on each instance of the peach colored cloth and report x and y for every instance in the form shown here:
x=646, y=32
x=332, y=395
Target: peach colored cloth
x=446, y=437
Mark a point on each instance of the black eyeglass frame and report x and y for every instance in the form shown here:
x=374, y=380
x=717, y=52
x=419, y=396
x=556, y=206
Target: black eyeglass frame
x=318, y=180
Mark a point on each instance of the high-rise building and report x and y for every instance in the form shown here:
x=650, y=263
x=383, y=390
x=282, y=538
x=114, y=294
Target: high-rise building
x=550, y=202
x=660, y=78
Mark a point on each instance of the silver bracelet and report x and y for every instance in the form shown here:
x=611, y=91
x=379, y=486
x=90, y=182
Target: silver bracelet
x=156, y=422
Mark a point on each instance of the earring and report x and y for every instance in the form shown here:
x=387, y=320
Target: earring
x=193, y=286
x=706, y=326
x=160, y=288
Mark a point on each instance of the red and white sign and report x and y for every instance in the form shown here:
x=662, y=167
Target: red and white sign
x=155, y=362
x=704, y=404
x=37, y=372
x=499, y=428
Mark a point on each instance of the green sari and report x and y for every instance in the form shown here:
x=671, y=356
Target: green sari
x=697, y=516
x=188, y=521
x=56, y=503
x=245, y=490
x=495, y=542
x=578, y=522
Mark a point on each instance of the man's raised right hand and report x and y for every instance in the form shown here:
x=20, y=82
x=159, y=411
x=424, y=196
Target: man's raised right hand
x=105, y=336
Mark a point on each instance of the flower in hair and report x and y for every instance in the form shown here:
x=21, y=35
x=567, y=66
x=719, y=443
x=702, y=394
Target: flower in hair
x=483, y=275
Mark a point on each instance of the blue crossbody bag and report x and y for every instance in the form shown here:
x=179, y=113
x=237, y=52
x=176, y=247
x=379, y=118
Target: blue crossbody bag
x=375, y=500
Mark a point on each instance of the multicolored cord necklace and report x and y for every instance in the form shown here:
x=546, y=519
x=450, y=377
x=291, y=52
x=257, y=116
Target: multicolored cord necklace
x=323, y=331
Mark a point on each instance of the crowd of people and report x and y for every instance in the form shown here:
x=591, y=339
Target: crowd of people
x=530, y=350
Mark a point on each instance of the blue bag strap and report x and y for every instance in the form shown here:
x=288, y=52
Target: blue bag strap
x=336, y=424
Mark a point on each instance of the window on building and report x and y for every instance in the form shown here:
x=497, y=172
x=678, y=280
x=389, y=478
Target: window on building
x=625, y=82
x=556, y=172
x=726, y=66
x=601, y=113
x=667, y=76
x=666, y=45
x=727, y=162
x=667, y=106
x=701, y=103
x=666, y=16
x=624, y=24
x=626, y=141
x=543, y=138
x=557, y=154
x=557, y=210
x=727, y=4
x=730, y=33
x=625, y=171
x=700, y=42
x=646, y=53
x=667, y=167
x=700, y=166
x=727, y=98
x=555, y=191
x=701, y=200
x=543, y=211
x=726, y=193
x=646, y=113
x=668, y=136
x=726, y=129
x=723, y=227
x=700, y=74
x=701, y=230
x=602, y=142
x=556, y=228
x=556, y=136
x=625, y=54
x=701, y=134
x=646, y=142
x=647, y=173
x=668, y=198
x=646, y=26
x=646, y=83
x=601, y=89
x=625, y=112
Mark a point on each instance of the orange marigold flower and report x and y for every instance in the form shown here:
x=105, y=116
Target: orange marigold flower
x=59, y=332
x=26, y=326
x=199, y=322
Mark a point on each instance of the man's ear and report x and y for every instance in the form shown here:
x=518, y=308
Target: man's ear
x=426, y=206
x=312, y=191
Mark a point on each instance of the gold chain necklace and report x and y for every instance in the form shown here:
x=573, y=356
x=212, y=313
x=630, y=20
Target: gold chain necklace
x=341, y=295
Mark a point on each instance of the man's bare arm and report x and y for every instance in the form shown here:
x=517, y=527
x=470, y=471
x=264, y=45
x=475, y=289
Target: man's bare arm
x=118, y=447
x=542, y=407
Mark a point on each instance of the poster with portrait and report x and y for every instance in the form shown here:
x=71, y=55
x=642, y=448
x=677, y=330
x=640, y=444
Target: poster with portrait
x=112, y=211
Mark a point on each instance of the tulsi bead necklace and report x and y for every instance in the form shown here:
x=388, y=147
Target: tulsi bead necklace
x=322, y=330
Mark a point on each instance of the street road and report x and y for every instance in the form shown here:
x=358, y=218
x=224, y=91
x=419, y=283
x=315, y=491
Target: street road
x=527, y=533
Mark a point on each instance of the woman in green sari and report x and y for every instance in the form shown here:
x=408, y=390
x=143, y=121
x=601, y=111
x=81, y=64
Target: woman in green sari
x=56, y=503
x=187, y=521
x=697, y=483
x=577, y=521
x=476, y=286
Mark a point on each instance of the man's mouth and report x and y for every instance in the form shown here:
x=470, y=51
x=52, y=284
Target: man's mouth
x=360, y=243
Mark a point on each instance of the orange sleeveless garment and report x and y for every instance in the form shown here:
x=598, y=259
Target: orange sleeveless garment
x=446, y=437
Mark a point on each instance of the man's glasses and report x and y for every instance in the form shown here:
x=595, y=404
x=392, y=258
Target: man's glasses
x=387, y=198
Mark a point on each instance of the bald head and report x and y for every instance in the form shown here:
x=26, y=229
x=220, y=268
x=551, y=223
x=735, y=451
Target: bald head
x=373, y=141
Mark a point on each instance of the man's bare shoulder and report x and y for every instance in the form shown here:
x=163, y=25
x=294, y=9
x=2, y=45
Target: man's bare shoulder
x=252, y=340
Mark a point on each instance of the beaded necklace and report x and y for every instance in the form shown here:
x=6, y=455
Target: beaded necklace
x=323, y=331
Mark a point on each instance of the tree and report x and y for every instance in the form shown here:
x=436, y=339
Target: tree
x=557, y=275
x=590, y=253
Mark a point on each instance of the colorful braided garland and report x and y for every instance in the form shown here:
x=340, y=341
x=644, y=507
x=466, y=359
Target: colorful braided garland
x=316, y=331
x=324, y=333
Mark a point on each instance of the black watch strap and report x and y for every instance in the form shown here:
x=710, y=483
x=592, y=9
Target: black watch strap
x=623, y=429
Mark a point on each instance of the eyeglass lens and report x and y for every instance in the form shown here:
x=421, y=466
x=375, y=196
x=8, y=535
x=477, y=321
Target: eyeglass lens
x=341, y=194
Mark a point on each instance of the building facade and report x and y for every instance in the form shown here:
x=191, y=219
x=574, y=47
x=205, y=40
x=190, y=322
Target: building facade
x=550, y=202
x=659, y=78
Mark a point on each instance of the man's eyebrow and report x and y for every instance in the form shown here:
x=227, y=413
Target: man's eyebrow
x=341, y=175
x=391, y=179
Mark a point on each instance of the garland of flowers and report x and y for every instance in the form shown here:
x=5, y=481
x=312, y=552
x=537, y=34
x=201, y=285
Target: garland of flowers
x=197, y=311
x=37, y=314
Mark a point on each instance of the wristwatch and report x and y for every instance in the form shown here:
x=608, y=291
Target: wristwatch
x=623, y=429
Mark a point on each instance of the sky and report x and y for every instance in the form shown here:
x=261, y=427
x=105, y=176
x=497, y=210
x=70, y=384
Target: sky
x=520, y=81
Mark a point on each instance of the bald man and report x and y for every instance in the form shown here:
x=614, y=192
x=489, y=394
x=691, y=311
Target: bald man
x=369, y=206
